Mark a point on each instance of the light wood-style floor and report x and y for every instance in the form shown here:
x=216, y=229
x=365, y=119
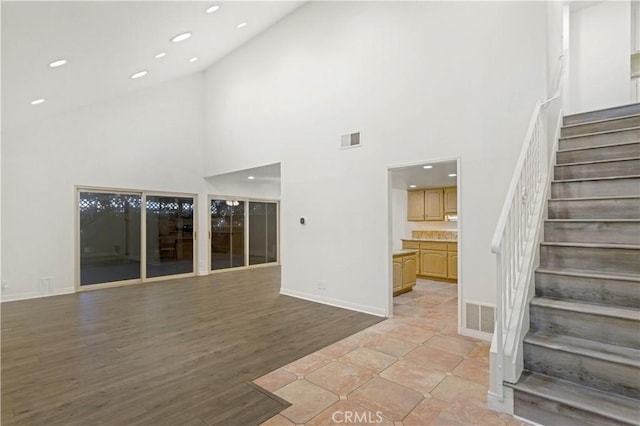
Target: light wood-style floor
x=175, y=352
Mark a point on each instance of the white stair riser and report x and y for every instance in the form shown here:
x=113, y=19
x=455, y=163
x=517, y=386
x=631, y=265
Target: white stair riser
x=592, y=232
x=547, y=412
x=608, y=169
x=605, y=329
x=601, y=153
x=597, y=259
x=623, y=293
x=596, y=188
x=629, y=135
x=621, y=111
x=601, y=126
x=584, y=370
x=624, y=208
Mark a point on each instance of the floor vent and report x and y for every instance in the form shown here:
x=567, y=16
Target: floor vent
x=351, y=140
x=480, y=317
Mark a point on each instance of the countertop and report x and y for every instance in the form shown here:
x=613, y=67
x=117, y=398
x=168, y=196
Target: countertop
x=430, y=240
x=404, y=251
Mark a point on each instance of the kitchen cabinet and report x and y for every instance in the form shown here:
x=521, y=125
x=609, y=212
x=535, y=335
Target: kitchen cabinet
x=436, y=259
x=415, y=205
x=433, y=204
x=451, y=200
x=404, y=272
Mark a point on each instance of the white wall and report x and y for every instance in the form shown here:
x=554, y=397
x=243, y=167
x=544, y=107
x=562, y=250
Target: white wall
x=399, y=73
x=600, y=45
x=151, y=140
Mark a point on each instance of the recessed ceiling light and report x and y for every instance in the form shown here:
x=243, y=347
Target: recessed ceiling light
x=452, y=175
x=139, y=74
x=241, y=25
x=412, y=186
x=251, y=177
x=212, y=9
x=58, y=63
x=161, y=55
x=195, y=58
x=181, y=37
x=37, y=101
x=427, y=167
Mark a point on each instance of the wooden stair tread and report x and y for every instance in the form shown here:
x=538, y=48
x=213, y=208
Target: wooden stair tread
x=598, y=146
x=589, y=274
x=613, y=406
x=595, y=179
x=602, y=120
x=592, y=245
x=593, y=220
x=588, y=308
x=610, y=197
x=585, y=163
x=574, y=345
x=603, y=132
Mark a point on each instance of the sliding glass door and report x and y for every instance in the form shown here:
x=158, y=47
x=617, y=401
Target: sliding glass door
x=169, y=235
x=263, y=232
x=227, y=234
x=109, y=237
x=128, y=237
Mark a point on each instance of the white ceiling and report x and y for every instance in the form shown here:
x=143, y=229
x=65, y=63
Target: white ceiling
x=437, y=176
x=106, y=42
x=269, y=174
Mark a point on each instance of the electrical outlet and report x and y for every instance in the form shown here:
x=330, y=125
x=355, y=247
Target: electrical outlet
x=45, y=285
x=321, y=285
x=5, y=285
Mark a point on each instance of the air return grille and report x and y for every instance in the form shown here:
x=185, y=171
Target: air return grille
x=352, y=140
x=479, y=317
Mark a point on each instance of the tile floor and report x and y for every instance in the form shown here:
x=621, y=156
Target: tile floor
x=410, y=370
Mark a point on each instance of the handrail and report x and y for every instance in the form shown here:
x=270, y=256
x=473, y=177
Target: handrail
x=502, y=221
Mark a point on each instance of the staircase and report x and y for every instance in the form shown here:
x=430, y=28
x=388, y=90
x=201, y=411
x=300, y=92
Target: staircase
x=582, y=353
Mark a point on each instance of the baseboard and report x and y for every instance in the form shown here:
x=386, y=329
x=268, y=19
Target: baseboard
x=34, y=295
x=504, y=405
x=372, y=310
x=476, y=334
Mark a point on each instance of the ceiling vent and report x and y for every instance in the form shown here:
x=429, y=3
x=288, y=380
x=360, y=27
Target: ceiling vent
x=351, y=140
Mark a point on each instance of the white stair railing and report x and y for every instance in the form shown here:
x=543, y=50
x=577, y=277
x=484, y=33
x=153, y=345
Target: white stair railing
x=516, y=239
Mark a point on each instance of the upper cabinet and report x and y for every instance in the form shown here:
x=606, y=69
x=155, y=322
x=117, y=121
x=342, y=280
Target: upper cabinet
x=431, y=203
x=451, y=200
x=415, y=205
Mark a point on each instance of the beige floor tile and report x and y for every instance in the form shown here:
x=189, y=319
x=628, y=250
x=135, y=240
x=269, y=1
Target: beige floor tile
x=363, y=336
x=417, y=377
x=338, y=349
x=433, y=358
x=425, y=413
x=278, y=420
x=453, y=388
x=474, y=413
x=393, y=400
x=275, y=380
x=369, y=359
x=307, y=400
x=347, y=413
x=474, y=370
x=411, y=333
x=339, y=378
x=308, y=364
x=480, y=352
x=451, y=344
x=389, y=344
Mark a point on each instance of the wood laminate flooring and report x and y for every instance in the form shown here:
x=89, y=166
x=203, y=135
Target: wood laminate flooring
x=179, y=352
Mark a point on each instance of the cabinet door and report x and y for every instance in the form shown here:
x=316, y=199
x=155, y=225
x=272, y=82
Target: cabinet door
x=451, y=200
x=415, y=205
x=452, y=261
x=433, y=204
x=409, y=271
x=433, y=263
x=397, y=273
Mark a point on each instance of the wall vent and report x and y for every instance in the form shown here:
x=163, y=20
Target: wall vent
x=352, y=140
x=479, y=317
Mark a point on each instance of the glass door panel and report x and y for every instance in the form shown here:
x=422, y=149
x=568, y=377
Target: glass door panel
x=263, y=232
x=109, y=237
x=169, y=235
x=227, y=234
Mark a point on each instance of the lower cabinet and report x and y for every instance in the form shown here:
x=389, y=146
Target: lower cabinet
x=435, y=259
x=404, y=272
x=452, y=265
x=433, y=263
